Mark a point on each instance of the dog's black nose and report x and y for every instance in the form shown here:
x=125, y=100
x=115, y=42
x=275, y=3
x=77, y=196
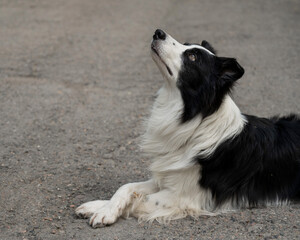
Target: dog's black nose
x=159, y=34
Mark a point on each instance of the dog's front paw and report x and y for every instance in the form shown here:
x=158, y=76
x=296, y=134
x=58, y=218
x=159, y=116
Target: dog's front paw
x=86, y=210
x=104, y=217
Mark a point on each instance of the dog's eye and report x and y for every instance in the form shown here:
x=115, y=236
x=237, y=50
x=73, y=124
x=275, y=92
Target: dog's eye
x=192, y=57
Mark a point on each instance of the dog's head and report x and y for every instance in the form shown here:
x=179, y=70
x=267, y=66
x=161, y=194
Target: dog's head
x=202, y=77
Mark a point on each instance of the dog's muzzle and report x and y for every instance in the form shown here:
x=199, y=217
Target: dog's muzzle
x=158, y=37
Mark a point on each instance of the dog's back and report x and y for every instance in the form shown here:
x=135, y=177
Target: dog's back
x=261, y=164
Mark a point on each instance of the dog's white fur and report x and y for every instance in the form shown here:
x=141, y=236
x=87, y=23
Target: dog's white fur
x=174, y=191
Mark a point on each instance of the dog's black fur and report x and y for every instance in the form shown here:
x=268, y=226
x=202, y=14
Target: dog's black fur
x=260, y=164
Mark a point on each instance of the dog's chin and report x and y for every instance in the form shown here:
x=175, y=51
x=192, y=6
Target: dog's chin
x=165, y=69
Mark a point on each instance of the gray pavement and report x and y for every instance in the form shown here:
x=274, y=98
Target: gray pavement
x=76, y=82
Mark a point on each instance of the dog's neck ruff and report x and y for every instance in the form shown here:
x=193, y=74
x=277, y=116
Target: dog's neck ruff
x=173, y=145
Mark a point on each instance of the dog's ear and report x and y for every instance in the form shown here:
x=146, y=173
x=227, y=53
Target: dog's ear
x=229, y=69
x=206, y=45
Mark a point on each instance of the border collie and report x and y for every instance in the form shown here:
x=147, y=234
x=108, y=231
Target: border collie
x=207, y=157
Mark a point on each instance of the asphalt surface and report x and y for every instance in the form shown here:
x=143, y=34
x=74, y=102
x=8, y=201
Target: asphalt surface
x=76, y=82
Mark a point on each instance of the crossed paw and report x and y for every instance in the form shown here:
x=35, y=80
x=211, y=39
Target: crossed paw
x=100, y=212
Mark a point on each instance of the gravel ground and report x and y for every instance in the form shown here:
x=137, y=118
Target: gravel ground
x=76, y=82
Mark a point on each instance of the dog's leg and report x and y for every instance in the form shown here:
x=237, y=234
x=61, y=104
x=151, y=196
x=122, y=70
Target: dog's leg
x=107, y=212
x=167, y=205
x=161, y=206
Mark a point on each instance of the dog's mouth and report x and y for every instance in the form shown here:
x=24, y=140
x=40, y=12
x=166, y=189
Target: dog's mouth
x=156, y=52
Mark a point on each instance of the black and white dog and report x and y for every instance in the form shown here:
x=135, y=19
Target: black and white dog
x=208, y=157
